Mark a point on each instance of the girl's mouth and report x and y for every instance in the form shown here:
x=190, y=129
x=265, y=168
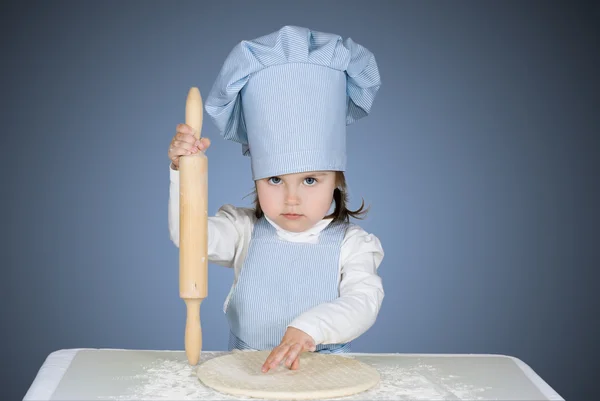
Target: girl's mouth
x=292, y=216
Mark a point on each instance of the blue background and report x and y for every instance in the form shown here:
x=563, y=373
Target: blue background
x=478, y=161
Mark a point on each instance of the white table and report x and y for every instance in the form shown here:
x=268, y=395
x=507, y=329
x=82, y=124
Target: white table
x=116, y=374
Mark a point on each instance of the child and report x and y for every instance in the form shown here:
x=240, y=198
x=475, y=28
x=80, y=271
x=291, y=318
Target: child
x=305, y=279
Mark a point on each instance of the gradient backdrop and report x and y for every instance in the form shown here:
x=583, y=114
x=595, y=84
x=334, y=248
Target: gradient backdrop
x=478, y=161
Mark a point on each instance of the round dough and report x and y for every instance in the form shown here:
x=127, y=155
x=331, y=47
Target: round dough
x=318, y=376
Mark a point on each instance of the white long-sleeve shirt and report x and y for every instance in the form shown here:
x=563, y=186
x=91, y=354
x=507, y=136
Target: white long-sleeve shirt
x=361, y=289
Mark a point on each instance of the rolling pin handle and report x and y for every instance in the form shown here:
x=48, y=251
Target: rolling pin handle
x=193, y=331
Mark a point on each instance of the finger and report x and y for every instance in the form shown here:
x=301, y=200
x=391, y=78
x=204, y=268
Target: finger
x=185, y=129
x=180, y=146
x=276, y=357
x=201, y=144
x=296, y=364
x=176, y=153
x=279, y=356
x=267, y=363
x=204, y=143
x=187, y=138
x=184, y=132
x=310, y=346
x=292, y=355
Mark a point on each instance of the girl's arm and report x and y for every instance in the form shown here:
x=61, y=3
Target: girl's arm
x=224, y=229
x=361, y=294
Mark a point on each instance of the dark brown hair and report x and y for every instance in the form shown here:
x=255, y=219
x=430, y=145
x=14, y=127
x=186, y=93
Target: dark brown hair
x=340, y=197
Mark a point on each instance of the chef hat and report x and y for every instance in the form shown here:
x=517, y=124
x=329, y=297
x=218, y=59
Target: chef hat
x=288, y=96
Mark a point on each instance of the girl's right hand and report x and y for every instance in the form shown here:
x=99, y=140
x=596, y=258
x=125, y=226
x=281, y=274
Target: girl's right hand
x=185, y=143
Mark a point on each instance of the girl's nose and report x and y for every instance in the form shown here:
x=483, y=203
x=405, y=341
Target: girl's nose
x=291, y=198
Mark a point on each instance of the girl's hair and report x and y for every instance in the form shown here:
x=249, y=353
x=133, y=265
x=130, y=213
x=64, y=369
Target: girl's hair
x=340, y=197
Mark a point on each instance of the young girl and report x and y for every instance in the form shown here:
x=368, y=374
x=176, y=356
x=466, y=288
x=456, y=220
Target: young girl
x=305, y=277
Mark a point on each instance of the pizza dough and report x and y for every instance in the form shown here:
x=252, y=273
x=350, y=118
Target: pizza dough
x=319, y=376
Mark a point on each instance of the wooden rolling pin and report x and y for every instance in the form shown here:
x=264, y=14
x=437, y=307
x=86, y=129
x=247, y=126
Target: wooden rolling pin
x=193, y=230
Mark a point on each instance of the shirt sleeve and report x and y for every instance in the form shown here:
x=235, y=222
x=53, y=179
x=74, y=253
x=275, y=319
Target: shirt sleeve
x=226, y=229
x=361, y=293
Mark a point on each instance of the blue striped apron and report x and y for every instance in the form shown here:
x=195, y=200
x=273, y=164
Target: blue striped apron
x=278, y=282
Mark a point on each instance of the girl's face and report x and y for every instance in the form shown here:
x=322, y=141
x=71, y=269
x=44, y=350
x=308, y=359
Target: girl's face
x=298, y=201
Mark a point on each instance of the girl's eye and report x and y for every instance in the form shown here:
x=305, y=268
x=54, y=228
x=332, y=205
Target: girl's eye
x=274, y=180
x=310, y=181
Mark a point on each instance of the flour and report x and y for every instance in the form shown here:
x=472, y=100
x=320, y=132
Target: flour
x=418, y=382
x=169, y=379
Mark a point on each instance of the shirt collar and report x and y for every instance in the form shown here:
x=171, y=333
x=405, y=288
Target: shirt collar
x=311, y=232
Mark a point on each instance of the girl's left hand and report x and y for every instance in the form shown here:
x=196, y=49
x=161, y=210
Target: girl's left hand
x=293, y=343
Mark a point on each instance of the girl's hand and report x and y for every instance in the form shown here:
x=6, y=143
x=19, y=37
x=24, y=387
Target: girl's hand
x=185, y=143
x=294, y=342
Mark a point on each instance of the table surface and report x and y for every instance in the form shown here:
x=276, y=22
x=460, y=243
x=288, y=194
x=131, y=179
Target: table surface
x=116, y=374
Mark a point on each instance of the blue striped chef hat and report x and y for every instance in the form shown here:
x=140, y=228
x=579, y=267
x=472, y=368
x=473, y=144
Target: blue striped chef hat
x=288, y=96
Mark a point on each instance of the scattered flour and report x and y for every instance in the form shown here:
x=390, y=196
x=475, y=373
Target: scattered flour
x=167, y=379
x=420, y=382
